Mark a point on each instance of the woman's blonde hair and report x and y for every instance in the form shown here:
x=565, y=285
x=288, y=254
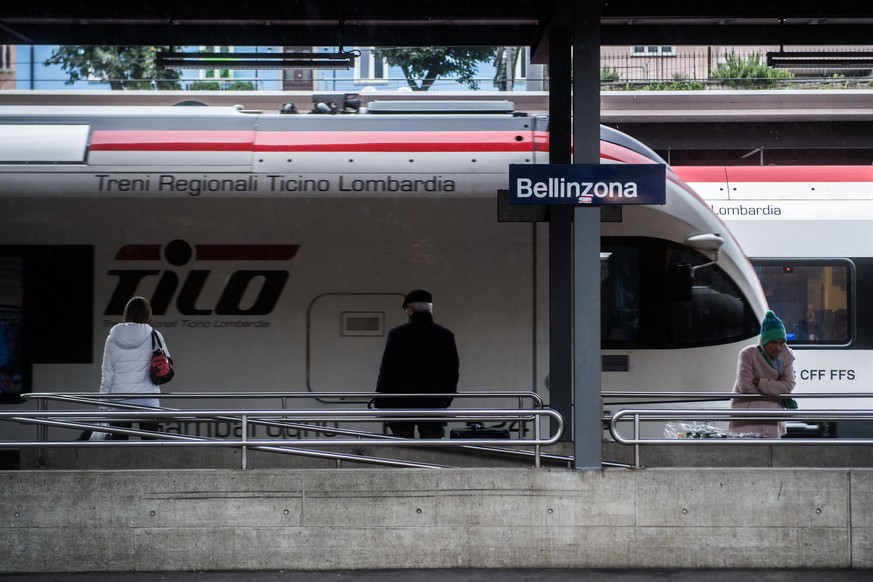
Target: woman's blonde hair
x=138, y=310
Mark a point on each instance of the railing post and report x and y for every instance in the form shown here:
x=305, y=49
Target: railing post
x=245, y=437
x=42, y=430
x=537, y=460
x=636, y=441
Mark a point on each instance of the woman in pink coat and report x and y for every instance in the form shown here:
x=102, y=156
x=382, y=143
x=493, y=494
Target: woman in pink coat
x=766, y=368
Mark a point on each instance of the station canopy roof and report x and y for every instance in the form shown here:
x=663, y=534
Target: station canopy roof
x=350, y=23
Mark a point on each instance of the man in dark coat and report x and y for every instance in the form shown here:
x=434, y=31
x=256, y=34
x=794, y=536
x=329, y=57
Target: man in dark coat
x=420, y=358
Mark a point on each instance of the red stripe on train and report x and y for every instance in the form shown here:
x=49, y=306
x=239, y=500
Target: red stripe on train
x=297, y=141
x=139, y=253
x=246, y=252
x=395, y=141
x=150, y=252
x=775, y=173
x=309, y=141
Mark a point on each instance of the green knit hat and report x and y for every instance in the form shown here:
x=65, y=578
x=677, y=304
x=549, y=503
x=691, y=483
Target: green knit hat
x=772, y=328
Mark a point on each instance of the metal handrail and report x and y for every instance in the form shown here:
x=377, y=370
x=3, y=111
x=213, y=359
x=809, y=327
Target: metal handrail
x=245, y=417
x=637, y=415
x=564, y=459
x=337, y=398
x=43, y=398
x=344, y=398
x=376, y=415
x=639, y=398
x=324, y=429
x=666, y=397
x=535, y=398
x=338, y=457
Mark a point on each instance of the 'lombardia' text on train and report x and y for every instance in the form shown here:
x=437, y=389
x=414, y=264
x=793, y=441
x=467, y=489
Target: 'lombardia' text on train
x=195, y=186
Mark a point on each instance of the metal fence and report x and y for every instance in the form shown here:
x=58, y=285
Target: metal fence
x=682, y=68
x=653, y=409
x=328, y=426
x=628, y=67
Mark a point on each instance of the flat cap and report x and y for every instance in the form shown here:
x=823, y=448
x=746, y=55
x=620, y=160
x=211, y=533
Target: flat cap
x=417, y=295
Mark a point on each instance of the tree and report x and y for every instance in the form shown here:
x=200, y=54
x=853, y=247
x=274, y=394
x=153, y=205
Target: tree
x=423, y=66
x=123, y=67
x=748, y=73
x=505, y=62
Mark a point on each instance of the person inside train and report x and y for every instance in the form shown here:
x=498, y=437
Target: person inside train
x=808, y=330
x=764, y=369
x=619, y=303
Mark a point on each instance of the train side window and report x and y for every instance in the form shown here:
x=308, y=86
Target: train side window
x=43, y=144
x=812, y=297
x=12, y=372
x=620, y=293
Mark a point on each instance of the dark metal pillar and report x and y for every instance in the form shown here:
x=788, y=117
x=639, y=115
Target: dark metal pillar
x=560, y=235
x=586, y=240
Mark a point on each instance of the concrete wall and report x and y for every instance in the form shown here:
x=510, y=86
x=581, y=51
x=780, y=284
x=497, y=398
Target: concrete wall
x=230, y=519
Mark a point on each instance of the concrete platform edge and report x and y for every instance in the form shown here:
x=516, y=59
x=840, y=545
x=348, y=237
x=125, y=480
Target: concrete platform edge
x=360, y=519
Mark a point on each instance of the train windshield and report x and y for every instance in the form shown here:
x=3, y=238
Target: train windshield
x=639, y=311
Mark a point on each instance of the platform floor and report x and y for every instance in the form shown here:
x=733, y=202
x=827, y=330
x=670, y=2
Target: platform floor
x=459, y=575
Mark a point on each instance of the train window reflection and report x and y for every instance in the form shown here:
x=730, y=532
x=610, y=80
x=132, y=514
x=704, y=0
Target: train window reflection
x=11, y=321
x=639, y=309
x=813, y=298
x=620, y=293
x=716, y=311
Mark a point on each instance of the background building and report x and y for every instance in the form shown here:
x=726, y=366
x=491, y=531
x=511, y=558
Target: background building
x=622, y=68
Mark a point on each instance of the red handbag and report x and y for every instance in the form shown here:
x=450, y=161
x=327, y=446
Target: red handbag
x=161, y=367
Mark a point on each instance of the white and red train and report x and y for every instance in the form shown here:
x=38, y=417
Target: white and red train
x=275, y=249
x=808, y=231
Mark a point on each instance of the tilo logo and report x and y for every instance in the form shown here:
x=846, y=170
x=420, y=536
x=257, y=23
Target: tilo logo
x=178, y=253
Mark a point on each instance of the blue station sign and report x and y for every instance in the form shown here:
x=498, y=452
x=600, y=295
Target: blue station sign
x=587, y=184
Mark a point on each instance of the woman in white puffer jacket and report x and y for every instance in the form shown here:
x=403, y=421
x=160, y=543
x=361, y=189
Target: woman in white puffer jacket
x=126, y=359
